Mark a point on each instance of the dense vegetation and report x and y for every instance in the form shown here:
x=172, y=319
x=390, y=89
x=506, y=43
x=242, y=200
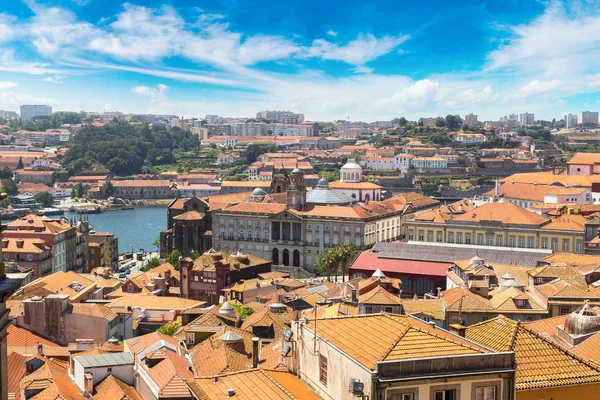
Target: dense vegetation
x=125, y=149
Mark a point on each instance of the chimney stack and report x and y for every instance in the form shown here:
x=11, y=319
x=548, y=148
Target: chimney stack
x=255, y=343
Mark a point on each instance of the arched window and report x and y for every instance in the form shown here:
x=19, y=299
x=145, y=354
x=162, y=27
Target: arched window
x=275, y=257
x=296, y=261
x=367, y=197
x=286, y=257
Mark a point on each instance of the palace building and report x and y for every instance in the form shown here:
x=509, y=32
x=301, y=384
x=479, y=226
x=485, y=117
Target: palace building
x=292, y=226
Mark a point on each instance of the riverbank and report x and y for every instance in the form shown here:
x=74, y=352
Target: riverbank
x=69, y=204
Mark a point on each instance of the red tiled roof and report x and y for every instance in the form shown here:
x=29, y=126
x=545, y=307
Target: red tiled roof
x=369, y=261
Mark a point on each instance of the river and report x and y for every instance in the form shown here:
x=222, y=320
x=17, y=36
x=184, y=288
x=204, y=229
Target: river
x=137, y=228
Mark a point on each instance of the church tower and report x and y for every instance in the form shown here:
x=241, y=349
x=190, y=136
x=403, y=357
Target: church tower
x=280, y=181
x=296, y=192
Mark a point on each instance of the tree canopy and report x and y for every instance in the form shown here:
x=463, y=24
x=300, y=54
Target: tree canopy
x=124, y=149
x=44, y=198
x=173, y=259
x=9, y=187
x=169, y=328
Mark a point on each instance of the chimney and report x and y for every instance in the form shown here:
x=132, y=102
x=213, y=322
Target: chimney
x=89, y=382
x=458, y=329
x=255, y=343
x=40, y=349
x=230, y=392
x=439, y=292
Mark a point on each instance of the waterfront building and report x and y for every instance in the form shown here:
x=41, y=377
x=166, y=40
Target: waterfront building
x=145, y=189
x=110, y=245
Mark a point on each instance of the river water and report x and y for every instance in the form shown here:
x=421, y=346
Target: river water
x=138, y=227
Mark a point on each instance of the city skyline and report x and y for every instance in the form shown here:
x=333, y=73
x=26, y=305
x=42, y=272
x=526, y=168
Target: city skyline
x=367, y=62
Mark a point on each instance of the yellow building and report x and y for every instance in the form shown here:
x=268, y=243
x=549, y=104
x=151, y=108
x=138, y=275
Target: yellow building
x=544, y=370
x=501, y=225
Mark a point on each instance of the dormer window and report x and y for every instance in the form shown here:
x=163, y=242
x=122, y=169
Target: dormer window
x=521, y=303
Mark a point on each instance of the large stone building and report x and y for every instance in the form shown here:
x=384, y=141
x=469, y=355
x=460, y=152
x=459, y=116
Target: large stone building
x=188, y=221
x=293, y=226
x=500, y=225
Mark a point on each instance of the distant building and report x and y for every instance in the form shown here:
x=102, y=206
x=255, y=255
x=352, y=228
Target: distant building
x=285, y=117
x=423, y=121
x=526, y=119
x=110, y=245
x=34, y=111
x=250, y=129
x=588, y=119
x=471, y=119
x=570, y=120
x=470, y=138
x=8, y=114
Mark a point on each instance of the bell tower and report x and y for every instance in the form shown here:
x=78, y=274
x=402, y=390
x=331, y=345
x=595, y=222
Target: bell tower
x=296, y=193
x=280, y=180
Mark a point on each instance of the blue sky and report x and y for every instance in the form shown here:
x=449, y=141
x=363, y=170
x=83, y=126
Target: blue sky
x=329, y=59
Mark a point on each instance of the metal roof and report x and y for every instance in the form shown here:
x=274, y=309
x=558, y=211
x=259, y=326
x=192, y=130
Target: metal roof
x=450, y=252
x=105, y=360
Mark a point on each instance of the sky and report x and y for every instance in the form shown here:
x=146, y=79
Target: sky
x=351, y=60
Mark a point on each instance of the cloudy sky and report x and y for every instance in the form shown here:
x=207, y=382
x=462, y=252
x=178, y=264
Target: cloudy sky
x=367, y=60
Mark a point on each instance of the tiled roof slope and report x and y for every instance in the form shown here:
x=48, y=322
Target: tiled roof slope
x=253, y=385
x=540, y=363
x=16, y=370
x=384, y=337
x=114, y=389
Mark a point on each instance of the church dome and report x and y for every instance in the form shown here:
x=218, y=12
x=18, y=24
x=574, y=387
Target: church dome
x=259, y=192
x=323, y=183
x=297, y=171
x=582, y=322
x=351, y=164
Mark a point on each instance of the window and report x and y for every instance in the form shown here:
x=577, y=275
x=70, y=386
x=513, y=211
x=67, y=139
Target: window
x=579, y=247
x=513, y=241
x=439, y=237
x=421, y=236
x=411, y=235
x=544, y=243
x=459, y=238
x=564, y=310
x=565, y=245
x=430, y=236
x=554, y=244
x=368, y=309
x=521, y=242
x=323, y=369
x=485, y=318
x=109, y=370
x=485, y=393
x=499, y=241
x=389, y=309
x=489, y=240
x=450, y=237
x=480, y=240
x=467, y=238
x=449, y=394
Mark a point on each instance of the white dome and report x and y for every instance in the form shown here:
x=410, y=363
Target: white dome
x=351, y=164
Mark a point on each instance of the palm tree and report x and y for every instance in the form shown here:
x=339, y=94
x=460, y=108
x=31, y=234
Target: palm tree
x=345, y=255
x=327, y=263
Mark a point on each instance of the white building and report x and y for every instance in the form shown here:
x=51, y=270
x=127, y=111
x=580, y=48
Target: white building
x=294, y=129
x=526, y=119
x=470, y=138
x=90, y=370
x=588, y=119
x=403, y=161
x=33, y=111
x=570, y=120
x=432, y=163
x=250, y=129
x=379, y=163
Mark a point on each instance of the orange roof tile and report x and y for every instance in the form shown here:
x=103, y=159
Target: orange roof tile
x=15, y=365
x=379, y=295
x=21, y=337
x=113, y=388
x=505, y=213
x=381, y=337
x=539, y=362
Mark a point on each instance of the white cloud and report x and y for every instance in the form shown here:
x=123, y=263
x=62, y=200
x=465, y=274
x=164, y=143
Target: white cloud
x=537, y=88
x=8, y=63
x=7, y=85
x=57, y=79
x=7, y=31
x=156, y=93
x=332, y=33
x=361, y=50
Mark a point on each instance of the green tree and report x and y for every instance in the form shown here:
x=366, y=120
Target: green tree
x=170, y=328
x=78, y=191
x=244, y=311
x=453, y=122
x=156, y=243
x=402, y=121
x=20, y=163
x=107, y=189
x=6, y=173
x=9, y=187
x=327, y=264
x=173, y=259
x=440, y=122
x=153, y=263
x=345, y=254
x=44, y=198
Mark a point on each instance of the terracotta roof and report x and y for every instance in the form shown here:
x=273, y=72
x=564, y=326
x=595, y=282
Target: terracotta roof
x=207, y=261
x=253, y=385
x=471, y=302
x=214, y=357
x=584, y=159
x=189, y=216
x=21, y=337
x=142, y=183
x=384, y=337
x=573, y=222
x=504, y=302
x=354, y=186
x=113, y=388
x=15, y=365
x=155, y=302
x=379, y=296
x=431, y=307
x=539, y=362
x=505, y=213
x=170, y=376
x=267, y=318
x=564, y=272
x=371, y=261
x=548, y=178
x=94, y=310
x=562, y=288
x=61, y=283
x=136, y=344
x=530, y=192
x=54, y=382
